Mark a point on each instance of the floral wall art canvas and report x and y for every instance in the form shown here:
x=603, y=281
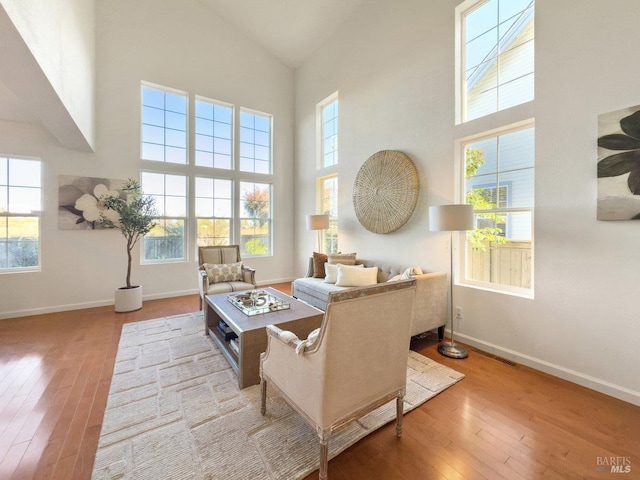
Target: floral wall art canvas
x=619, y=165
x=79, y=201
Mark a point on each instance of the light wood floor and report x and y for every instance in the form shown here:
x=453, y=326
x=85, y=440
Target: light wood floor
x=501, y=421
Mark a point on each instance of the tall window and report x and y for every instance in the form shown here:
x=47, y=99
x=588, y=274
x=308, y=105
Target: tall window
x=327, y=162
x=227, y=206
x=255, y=218
x=214, y=134
x=499, y=183
x=329, y=122
x=329, y=206
x=20, y=209
x=167, y=240
x=497, y=55
x=164, y=125
x=214, y=211
x=255, y=142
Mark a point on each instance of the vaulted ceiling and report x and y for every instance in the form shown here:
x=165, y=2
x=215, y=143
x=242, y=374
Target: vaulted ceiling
x=291, y=30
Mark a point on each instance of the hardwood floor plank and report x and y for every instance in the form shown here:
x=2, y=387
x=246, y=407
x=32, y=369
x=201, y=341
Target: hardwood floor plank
x=501, y=421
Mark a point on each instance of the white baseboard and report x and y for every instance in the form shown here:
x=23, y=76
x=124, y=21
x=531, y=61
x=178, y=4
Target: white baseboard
x=103, y=303
x=588, y=381
x=83, y=305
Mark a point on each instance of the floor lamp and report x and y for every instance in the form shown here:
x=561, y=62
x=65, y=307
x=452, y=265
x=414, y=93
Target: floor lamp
x=319, y=223
x=451, y=218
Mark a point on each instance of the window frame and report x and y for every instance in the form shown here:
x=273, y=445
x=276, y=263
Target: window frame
x=192, y=171
x=327, y=245
x=239, y=156
x=466, y=8
x=461, y=242
x=232, y=220
x=320, y=133
x=214, y=103
x=9, y=214
x=241, y=218
x=187, y=115
x=163, y=218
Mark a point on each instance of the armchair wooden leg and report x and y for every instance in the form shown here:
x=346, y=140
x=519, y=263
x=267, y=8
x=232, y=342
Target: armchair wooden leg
x=324, y=456
x=399, y=413
x=263, y=396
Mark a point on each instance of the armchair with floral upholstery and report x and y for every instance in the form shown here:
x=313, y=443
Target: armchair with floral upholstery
x=221, y=270
x=355, y=362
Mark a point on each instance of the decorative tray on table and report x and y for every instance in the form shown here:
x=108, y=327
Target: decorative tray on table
x=256, y=302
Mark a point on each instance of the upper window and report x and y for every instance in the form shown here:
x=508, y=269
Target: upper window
x=329, y=123
x=166, y=240
x=164, y=125
x=214, y=134
x=255, y=142
x=499, y=183
x=20, y=208
x=497, y=55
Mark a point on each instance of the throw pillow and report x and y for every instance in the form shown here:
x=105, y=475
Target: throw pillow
x=319, y=259
x=332, y=272
x=410, y=272
x=395, y=278
x=356, y=277
x=343, y=258
x=308, y=344
x=224, y=272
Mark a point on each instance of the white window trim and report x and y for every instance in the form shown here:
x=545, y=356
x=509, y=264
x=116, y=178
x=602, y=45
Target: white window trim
x=188, y=124
x=320, y=135
x=37, y=268
x=237, y=125
x=465, y=8
x=460, y=241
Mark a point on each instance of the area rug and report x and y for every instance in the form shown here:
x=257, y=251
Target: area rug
x=174, y=411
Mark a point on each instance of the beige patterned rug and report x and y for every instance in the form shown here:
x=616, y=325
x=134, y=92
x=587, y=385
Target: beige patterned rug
x=175, y=412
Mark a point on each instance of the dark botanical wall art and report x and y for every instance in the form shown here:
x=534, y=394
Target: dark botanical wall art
x=619, y=165
x=79, y=201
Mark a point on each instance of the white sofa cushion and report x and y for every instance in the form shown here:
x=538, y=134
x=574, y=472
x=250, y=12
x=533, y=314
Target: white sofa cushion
x=331, y=272
x=352, y=276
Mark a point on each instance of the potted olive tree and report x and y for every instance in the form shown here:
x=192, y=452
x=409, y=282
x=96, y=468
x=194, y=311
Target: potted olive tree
x=136, y=214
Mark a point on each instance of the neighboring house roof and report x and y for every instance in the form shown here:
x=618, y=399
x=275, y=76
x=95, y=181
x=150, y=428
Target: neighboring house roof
x=516, y=29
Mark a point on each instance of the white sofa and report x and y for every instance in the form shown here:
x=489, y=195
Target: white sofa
x=430, y=310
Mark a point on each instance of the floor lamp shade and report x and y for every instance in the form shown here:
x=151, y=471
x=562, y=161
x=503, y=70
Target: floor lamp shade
x=450, y=218
x=317, y=222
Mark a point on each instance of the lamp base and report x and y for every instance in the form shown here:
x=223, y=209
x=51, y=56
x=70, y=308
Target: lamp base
x=453, y=350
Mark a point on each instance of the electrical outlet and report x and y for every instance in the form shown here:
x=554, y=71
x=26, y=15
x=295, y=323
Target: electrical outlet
x=459, y=312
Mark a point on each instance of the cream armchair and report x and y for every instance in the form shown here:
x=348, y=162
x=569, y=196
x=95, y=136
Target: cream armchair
x=215, y=256
x=357, y=361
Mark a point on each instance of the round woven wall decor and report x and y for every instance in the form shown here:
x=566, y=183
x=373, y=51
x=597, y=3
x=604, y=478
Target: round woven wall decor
x=385, y=191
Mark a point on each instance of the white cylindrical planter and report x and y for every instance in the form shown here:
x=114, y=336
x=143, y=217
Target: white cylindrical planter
x=128, y=299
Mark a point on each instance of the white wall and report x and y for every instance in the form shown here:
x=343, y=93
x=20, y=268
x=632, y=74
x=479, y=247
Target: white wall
x=61, y=37
x=175, y=44
x=393, y=65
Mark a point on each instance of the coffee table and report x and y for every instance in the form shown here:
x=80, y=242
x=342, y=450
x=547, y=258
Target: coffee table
x=299, y=318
